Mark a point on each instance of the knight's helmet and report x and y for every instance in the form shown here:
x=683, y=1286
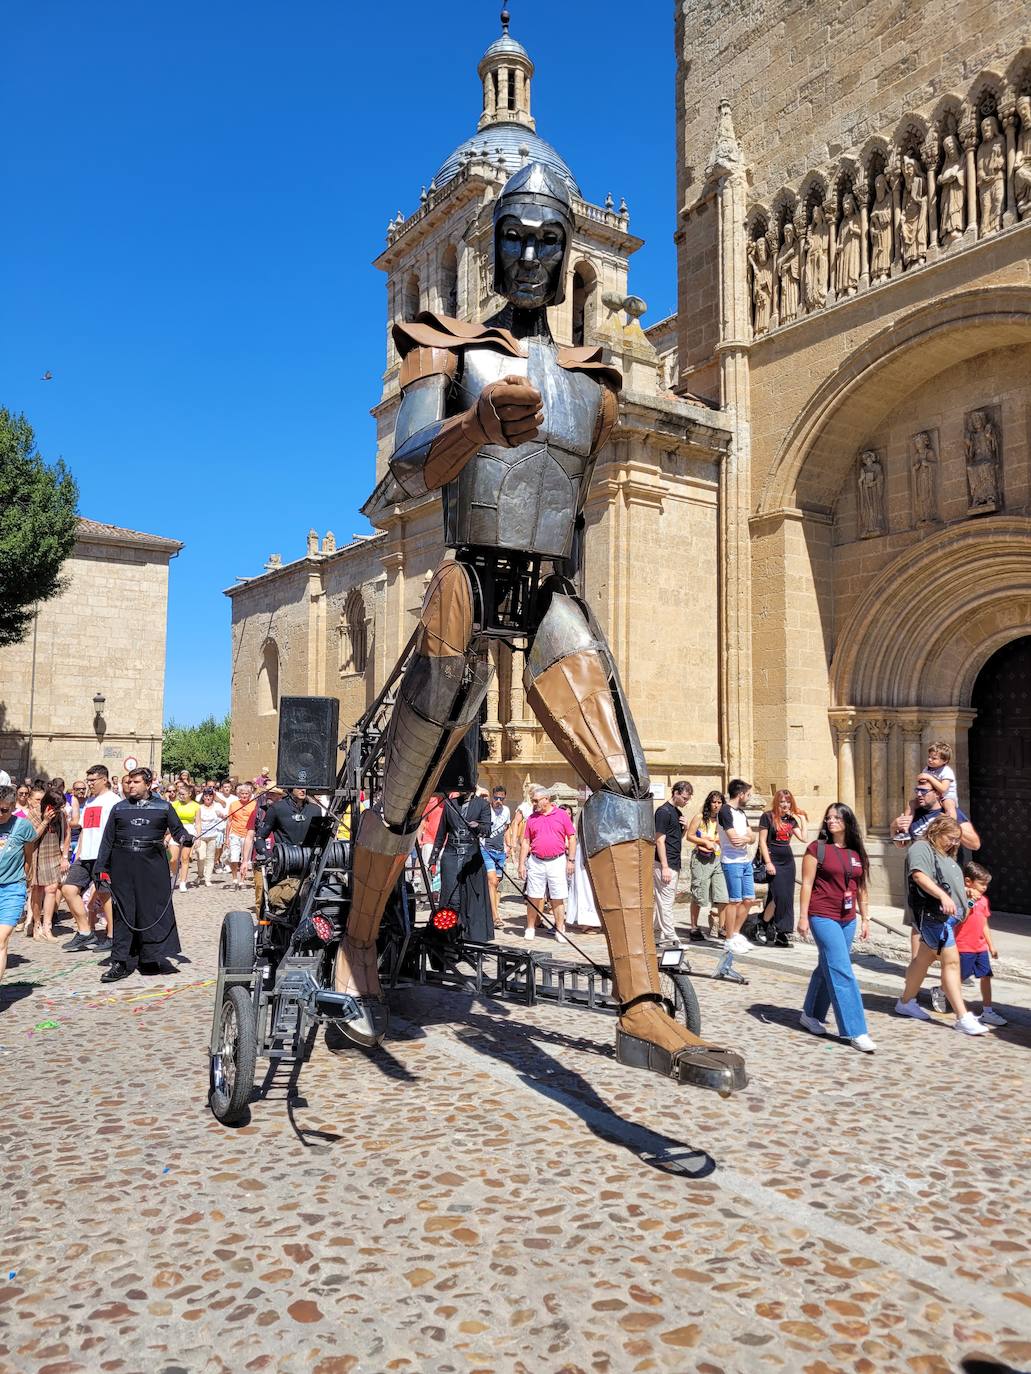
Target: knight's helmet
x=535, y=195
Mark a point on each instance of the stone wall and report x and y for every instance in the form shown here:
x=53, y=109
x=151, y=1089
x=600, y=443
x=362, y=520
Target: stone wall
x=106, y=634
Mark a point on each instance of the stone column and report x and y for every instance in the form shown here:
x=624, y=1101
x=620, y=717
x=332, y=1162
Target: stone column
x=879, y=731
x=520, y=87
x=894, y=181
x=1009, y=118
x=489, y=106
x=844, y=722
x=830, y=210
x=727, y=170
x=913, y=757
x=491, y=729
x=952, y=724
x=969, y=138
x=864, y=236
x=930, y=152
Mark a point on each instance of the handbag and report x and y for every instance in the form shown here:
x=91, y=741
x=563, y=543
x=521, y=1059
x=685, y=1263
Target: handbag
x=759, y=875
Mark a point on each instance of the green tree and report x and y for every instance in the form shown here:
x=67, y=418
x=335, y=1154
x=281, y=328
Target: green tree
x=37, y=526
x=201, y=749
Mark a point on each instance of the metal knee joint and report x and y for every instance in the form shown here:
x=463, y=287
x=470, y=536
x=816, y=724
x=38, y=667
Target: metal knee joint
x=609, y=818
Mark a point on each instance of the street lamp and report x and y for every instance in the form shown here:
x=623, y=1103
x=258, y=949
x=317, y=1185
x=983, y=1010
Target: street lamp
x=99, y=726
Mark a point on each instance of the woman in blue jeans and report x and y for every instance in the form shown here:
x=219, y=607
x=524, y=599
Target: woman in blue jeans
x=835, y=870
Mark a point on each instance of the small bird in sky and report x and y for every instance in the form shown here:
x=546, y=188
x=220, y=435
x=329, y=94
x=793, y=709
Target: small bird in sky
x=47, y=377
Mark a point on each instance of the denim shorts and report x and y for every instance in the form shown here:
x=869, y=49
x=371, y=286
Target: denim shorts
x=975, y=965
x=740, y=887
x=494, y=860
x=937, y=935
x=12, y=903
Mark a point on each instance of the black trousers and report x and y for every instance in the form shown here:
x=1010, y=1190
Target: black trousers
x=781, y=892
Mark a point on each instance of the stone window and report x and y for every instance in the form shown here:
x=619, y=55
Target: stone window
x=449, y=281
x=268, y=679
x=411, y=297
x=354, y=636
x=584, y=278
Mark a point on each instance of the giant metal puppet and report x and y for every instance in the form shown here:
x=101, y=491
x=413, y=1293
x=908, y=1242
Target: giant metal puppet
x=508, y=424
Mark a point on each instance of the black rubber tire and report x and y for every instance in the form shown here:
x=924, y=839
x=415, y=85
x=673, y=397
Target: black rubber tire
x=680, y=991
x=236, y=943
x=230, y=1085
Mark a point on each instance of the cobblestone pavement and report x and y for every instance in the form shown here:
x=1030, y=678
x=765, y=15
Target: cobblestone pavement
x=491, y=1192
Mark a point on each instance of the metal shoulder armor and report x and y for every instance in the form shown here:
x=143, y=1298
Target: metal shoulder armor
x=426, y=377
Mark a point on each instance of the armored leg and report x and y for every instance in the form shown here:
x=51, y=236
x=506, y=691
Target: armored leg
x=574, y=689
x=439, y=698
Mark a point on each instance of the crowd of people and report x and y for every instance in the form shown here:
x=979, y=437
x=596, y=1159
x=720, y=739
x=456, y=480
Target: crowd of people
x=56, y=845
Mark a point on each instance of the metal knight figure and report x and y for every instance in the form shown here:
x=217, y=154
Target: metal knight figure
x=508, y=424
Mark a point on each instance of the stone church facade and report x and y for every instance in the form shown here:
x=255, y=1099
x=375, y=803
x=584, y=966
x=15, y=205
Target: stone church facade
x=808, y=534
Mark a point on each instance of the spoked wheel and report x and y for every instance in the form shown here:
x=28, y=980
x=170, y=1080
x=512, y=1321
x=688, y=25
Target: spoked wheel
x=232, y=1064
x=678, y=989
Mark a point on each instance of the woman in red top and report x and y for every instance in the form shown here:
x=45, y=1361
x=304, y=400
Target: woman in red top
x=834, y=886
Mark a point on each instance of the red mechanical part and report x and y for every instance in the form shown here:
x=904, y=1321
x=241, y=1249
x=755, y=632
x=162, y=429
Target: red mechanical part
x=444, y=918
x=323, y=928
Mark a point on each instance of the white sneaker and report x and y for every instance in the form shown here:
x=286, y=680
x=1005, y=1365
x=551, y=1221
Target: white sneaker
x=970, y=1025
x=739, y=944
x=811, y=1024
x=864, y=1043
x=182, y=887
x=913, y=1009
x=990, y=1017
x=207, y=882
x=529, y=934
x=938, y=999
x=560, y=937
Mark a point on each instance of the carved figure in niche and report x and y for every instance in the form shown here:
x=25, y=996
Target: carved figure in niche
x=671, y=369
x=991, y=176
x=1022, y=160
x=880, y=230
x=847, y=260
x=914, y=213
x=762, y=284
x=925, y=478
x=871, y=494
x=952, y=181
x=788, y=275
x=817, y=251
x=982, y=453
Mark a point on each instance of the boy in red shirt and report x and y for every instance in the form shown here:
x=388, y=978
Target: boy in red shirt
x=975, y=944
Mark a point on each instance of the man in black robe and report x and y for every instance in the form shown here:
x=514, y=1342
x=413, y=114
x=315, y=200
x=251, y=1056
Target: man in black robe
x=133, y=861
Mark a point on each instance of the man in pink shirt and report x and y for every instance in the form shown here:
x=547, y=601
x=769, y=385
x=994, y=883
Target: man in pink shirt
x=546, y=859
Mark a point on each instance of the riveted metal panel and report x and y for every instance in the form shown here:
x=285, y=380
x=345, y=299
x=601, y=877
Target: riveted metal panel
x=609, y=819
x=564, y=630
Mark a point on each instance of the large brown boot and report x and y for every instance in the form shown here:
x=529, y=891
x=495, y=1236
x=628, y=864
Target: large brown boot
x=647, y=1037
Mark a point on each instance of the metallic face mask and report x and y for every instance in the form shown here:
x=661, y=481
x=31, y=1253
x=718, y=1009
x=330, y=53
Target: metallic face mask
x=533, y=232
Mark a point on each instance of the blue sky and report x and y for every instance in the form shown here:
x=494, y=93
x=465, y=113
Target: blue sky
x=195, y=194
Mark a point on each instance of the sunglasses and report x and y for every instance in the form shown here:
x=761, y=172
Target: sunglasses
x=922, y=791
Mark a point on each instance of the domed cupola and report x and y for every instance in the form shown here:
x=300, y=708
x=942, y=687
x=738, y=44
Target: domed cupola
x=506, y=71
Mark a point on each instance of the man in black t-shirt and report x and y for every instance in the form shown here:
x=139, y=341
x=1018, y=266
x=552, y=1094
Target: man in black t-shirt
x=289, y=819
x=668, y=842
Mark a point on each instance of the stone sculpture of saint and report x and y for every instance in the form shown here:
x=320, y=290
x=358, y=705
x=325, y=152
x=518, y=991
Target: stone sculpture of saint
x=788, y=275
x=1022, y=160
x=925, y=464
x=914, y=213
x=848, y=257
x=817, y=251
x=762, y=285
x=982, y=454
x=952, y=183
x=991, y=176
x=871, y=494
x=880, y=230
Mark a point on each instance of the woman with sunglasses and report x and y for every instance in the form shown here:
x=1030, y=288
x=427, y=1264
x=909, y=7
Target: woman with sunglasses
x=835, y=872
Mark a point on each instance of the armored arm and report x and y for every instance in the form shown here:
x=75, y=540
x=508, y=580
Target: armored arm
x=431, y=448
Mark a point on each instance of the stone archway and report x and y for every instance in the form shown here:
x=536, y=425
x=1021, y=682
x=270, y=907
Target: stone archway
x=1000, y=772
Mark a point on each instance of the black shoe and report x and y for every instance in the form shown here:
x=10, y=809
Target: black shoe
x=783, y=940
x=697, y=935
x=102, y=942
x=115, y=973
x=78, y=943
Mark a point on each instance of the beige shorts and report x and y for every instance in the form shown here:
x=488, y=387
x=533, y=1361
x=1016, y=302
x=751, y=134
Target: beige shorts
x=547, y=877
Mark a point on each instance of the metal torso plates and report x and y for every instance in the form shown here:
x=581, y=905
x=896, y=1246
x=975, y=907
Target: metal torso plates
x=526, y=498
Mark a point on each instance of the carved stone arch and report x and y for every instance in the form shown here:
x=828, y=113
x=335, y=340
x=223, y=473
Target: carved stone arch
x=757, y=223
x=847, y=179
x=583, y=297
x=968, y=592
x=948, y=114
x=355, y=632
x=816, y=453
x=783, y=208
x=910, y=136
x=813, y=191
x=449, y=280
x=1018, y=73
x=268, y=678
x=987, y=95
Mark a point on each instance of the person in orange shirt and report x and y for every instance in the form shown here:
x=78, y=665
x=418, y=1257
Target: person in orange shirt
x=239, y=820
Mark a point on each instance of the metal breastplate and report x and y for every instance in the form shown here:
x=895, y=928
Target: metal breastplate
x=526, y=498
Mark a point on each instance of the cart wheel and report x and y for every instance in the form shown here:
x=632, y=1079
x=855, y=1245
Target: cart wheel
x=232, y=1064
x=236, y=944
x=678, y=989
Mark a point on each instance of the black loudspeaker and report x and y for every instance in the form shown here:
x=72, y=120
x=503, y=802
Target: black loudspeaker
x=308, y=737
x=462, y=767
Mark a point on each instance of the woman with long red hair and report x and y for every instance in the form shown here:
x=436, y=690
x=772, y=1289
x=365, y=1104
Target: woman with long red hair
x=777, y=828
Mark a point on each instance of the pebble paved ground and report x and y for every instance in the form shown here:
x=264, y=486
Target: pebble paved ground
x=491, y=1192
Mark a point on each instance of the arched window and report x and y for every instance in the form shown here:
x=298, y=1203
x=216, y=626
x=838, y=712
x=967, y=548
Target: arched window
x=354, y=635
x=411, y=297
x=449, y=280
x=584, y=278
x=268, y=679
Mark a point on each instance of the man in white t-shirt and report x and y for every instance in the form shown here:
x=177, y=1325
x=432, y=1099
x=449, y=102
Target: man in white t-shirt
x=735, y=837
x=93, y=816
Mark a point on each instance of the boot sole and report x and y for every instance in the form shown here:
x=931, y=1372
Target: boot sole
x=703, y=1066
